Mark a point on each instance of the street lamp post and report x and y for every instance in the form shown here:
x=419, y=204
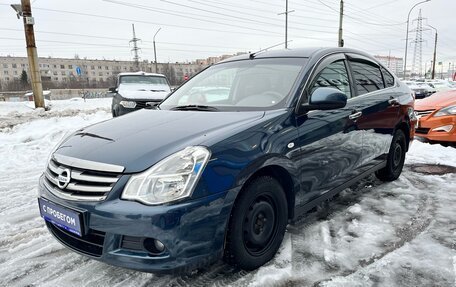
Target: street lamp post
x=435, y=52
x=406, y=34
x=155, y=51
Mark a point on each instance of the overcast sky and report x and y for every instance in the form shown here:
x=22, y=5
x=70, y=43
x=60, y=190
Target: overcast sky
x=192, y=29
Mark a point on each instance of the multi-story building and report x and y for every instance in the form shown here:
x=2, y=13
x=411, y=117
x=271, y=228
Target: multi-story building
x=395, y=64
x=62, y=70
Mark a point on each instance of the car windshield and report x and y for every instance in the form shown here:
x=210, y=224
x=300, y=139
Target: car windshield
x=258, y=84
x=144, y=80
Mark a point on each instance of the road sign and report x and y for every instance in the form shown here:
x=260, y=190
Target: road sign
x=78, y=71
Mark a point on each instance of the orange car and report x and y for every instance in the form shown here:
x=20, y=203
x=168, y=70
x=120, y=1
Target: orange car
x=437, y=117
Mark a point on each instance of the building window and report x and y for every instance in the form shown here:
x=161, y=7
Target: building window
x=55, y=66
x=106, y=68
x=5, y=65
x=14, y=66
x=92, y=67
x=100, y=74
x=5, y=72
x=62, y=66
x=63, y=73
x=56, y=79
x=55, y=73
x=93, y=73
x=99, y=67
x=6, y=78
x=15, y=72
x=70, y=66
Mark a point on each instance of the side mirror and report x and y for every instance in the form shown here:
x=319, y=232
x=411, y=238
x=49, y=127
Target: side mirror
x=327, y=99
x=113, y=89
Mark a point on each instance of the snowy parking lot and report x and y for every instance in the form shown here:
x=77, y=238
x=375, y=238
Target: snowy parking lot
x=401, y=233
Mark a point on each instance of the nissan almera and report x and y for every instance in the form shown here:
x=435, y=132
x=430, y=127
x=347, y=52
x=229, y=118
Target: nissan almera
x=227, y=161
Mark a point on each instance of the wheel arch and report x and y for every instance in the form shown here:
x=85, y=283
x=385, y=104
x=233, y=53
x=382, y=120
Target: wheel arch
x=285, y=174
x=405, y=127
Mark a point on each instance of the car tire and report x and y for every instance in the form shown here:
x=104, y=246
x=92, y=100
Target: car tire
x=257, y=224
x=395, y=160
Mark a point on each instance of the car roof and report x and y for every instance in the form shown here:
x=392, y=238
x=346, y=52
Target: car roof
x=308, y=52
x=140, y=74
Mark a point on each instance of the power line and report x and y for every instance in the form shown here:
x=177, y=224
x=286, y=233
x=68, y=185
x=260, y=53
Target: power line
x=144, y=7
x=152, y=23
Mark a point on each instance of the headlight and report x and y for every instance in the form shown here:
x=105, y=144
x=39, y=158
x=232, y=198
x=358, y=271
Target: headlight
x=448, y=111
x=170, y=179
x=128, y=104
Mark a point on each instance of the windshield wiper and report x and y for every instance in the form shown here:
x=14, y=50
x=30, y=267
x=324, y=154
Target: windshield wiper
x=143, y=90
x=195, y=108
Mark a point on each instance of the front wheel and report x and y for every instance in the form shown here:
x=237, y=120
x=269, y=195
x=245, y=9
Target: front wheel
x=396, y=158
x=257, y=224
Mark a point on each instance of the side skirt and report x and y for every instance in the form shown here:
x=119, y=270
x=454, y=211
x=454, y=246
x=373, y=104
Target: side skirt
x=299, y=211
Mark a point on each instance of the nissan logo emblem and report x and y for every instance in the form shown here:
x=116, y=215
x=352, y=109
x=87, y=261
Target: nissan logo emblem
x=63, y=178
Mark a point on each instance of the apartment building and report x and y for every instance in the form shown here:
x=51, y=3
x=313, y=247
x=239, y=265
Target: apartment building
x=61, y=70
x=395, y=64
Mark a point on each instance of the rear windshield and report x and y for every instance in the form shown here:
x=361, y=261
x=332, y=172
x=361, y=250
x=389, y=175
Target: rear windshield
x=139, y=79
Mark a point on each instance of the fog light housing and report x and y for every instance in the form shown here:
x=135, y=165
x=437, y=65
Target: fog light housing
x=154, y=246
x=446, y=128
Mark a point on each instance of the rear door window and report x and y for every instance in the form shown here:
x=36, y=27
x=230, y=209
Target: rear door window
x=367, y=76
x=389, y=79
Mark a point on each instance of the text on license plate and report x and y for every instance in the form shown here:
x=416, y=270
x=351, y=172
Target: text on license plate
x=63, y=217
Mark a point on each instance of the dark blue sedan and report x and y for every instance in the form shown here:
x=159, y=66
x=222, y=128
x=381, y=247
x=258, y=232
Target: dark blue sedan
x=228, y=160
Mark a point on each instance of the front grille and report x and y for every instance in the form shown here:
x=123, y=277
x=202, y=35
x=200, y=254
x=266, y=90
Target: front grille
x=424, y=113
x=90, y=244
x=422, y=130
x=83, y=184
x=144, y=104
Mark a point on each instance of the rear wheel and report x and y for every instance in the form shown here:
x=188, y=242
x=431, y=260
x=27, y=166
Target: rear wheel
x=257, y=224
x=396, y=158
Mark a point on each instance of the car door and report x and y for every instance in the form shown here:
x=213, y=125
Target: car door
x=329, y=141
x=378, y=101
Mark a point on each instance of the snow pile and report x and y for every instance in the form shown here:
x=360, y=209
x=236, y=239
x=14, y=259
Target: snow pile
x=401, y=233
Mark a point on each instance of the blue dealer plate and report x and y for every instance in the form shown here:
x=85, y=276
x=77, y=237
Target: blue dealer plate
x=65, y=218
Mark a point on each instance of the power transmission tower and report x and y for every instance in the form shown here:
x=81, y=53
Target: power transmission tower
x=418, y=51
x=135, y=48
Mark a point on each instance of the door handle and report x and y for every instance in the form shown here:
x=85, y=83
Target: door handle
x=393, y=102
x=355, y=115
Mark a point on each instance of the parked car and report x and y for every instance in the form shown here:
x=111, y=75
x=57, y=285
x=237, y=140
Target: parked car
x=201, y=178
x=437, y=117
x=440, y=85
x=138, y=90
x=419, y=91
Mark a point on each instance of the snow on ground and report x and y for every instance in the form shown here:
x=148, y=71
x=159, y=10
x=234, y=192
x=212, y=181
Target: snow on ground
x=401, y=233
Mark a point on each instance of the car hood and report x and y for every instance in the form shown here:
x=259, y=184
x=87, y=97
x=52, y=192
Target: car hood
x=437, y=100
x=138, y=91
x=138, y=140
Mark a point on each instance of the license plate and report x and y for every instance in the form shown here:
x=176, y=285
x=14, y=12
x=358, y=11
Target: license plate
x=65, y=218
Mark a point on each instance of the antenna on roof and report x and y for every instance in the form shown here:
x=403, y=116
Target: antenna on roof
x=252, y=55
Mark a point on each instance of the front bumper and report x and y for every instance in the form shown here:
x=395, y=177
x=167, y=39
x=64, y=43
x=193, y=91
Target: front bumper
x=427, y=125
x=192, y=232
